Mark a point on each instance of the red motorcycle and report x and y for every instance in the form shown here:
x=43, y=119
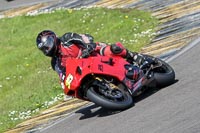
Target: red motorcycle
x=104, y=80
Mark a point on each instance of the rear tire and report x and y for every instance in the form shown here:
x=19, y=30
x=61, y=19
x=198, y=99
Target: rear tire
x=164, y=75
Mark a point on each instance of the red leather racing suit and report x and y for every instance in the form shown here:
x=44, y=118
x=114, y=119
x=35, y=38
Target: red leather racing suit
x=72, y=45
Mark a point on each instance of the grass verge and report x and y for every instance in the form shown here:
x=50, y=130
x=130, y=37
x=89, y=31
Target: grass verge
x=27, y=83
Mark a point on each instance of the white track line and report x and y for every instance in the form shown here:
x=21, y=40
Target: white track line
x=191, y=45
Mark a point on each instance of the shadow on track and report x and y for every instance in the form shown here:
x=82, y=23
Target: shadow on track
x=9, y=0
x=94, y=110
x=150, y=92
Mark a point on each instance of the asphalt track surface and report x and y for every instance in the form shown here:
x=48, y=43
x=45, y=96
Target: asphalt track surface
x=5, y=5
x=174, y=109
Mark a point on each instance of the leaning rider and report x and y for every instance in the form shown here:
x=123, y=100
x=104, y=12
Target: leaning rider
x=77, y=46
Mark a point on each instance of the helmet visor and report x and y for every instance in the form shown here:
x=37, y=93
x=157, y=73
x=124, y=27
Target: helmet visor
x=46, y=45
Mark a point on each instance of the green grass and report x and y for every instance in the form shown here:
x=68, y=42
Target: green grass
x=26, y=79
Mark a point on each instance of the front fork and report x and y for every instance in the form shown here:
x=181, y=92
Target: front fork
x=107, y=88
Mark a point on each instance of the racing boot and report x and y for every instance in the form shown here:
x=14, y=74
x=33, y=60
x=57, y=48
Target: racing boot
x=135, y=58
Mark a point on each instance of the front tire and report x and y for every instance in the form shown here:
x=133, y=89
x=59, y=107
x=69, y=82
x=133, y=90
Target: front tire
x=124, y=102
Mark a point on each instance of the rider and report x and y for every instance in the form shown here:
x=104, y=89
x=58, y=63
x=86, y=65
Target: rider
x=79, y=46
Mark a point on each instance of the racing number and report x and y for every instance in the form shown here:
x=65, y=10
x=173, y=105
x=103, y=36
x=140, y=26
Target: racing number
x=68, y=81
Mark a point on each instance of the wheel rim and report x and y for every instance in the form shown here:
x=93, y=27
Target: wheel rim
x=115, y=95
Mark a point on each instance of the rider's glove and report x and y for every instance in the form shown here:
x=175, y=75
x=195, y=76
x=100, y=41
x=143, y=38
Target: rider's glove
x=88, y=50
x=85, y=53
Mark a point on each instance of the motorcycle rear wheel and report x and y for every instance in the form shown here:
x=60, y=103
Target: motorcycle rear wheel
x=122, y=103
x=164, y=75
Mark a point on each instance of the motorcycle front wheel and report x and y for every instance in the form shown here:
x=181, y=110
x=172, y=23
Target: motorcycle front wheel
x=117, y=99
